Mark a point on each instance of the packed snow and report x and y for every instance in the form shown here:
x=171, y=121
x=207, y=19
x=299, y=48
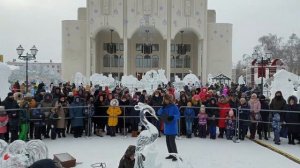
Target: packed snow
x=198, y=152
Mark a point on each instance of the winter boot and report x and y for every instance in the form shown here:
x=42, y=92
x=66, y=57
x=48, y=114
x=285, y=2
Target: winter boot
x=133, y=133
x=259, y=136
x=266, y=136
x=99, y=132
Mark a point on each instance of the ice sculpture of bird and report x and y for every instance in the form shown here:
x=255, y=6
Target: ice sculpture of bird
x=20, y=154
x=146, y=137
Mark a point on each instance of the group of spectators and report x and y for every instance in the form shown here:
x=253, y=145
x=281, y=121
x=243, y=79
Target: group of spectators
x=67, y=109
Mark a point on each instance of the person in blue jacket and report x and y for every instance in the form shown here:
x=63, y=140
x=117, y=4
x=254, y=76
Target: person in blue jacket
x=77, y=115
x=170, y=115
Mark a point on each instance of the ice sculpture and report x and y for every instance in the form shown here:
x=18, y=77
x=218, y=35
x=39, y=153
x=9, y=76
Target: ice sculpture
x=146, y=137
x=79, y=79
x=20, y=154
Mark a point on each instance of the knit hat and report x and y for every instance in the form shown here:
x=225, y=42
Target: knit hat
x=10, y=94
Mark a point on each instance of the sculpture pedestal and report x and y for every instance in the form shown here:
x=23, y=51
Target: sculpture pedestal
x=65, y=159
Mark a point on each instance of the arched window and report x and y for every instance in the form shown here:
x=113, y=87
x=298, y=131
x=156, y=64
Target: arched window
x=147, y=61
x=179, y=61
x=121, y=61
x=115, y=61
x=155, y=61
x=187, y=61
x=106, y=60
x=139, y=61
x=173, y=61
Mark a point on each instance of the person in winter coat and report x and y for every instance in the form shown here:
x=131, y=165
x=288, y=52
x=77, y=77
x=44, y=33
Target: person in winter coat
x=113, y=112
x=230, y=125
x=189, y=115
x=263, y=126
x=276, y=127
x=46, y=106
x=3, y=122
x=134, y=116
x=39, y=121
x=223, y=111
x=11, y=106
x=100, y=114
x=182, y=103
x=278, y=103
x=61, y=110
x=89, y=113
x=76, y=112
x=156, y=102
x=255, y=116
x=244, y=116
x=202, y=122
x=292, y=119
x=170, y=115
x=128, y=160
x=212, y=113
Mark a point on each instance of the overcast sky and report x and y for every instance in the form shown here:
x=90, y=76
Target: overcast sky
x=38, y=22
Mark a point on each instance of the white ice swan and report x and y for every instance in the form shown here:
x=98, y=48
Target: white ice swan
x=146, y=137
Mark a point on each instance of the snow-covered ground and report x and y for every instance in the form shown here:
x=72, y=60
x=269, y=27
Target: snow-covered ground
x=284, y=146
x=199, y=152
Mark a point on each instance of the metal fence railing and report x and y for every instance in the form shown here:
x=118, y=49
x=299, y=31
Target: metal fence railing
x=26, y=115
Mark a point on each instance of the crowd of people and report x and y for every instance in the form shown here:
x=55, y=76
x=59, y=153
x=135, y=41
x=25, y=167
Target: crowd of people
x=67, y=109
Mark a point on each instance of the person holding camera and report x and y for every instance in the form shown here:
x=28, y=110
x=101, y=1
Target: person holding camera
x=170, y=115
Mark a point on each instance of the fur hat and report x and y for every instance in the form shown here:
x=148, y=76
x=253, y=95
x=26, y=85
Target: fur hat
x=114, y=103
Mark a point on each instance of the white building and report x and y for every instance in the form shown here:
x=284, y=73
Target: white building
x=162, y=24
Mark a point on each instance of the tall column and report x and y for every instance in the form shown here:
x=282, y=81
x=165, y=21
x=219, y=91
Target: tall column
x=88, y=45
x=168, y=53
x=200, y=57
x=125, y=40
x=93, y=55
x=204, y=49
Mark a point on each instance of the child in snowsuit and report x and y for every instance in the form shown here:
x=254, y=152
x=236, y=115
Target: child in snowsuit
x=276, y=128
x=39, y=121
x=3, y=122
x=113, y=112
x=230, y=125
x=202, y=116
x=189, y=115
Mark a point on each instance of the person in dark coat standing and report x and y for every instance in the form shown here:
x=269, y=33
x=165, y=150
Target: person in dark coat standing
x=170, y=115
x=212, y=112
x=292, y=118
x=127, y=161
x=12, y=110
x=100, y=116
x=244, y=116
x=278, y=103
x=77, y=114
x=263, y=126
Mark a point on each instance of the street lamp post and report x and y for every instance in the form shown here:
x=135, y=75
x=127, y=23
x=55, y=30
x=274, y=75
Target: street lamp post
x=26, y=58
x=264, y=59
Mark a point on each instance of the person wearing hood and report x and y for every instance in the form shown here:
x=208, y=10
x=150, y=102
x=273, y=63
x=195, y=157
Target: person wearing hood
x=39, y=121
x=76, y=112
x=212, y=112
x=263, y=126
x=13, y=114
x=244, y=116
x=128, y=160
x=3, y=122
x=156, y=102
x=224, y=109
x=61, y=109
x=278, y=103
x=292, y=119
x=46, y=105
x=255, y=116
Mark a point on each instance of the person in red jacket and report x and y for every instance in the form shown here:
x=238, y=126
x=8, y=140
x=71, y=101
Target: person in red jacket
x=3, y=122
x=223, y=111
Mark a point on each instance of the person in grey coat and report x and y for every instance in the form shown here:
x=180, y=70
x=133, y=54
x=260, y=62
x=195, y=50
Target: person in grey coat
x=77, y=115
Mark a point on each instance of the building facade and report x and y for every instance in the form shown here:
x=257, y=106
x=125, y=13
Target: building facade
x=134, y=25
